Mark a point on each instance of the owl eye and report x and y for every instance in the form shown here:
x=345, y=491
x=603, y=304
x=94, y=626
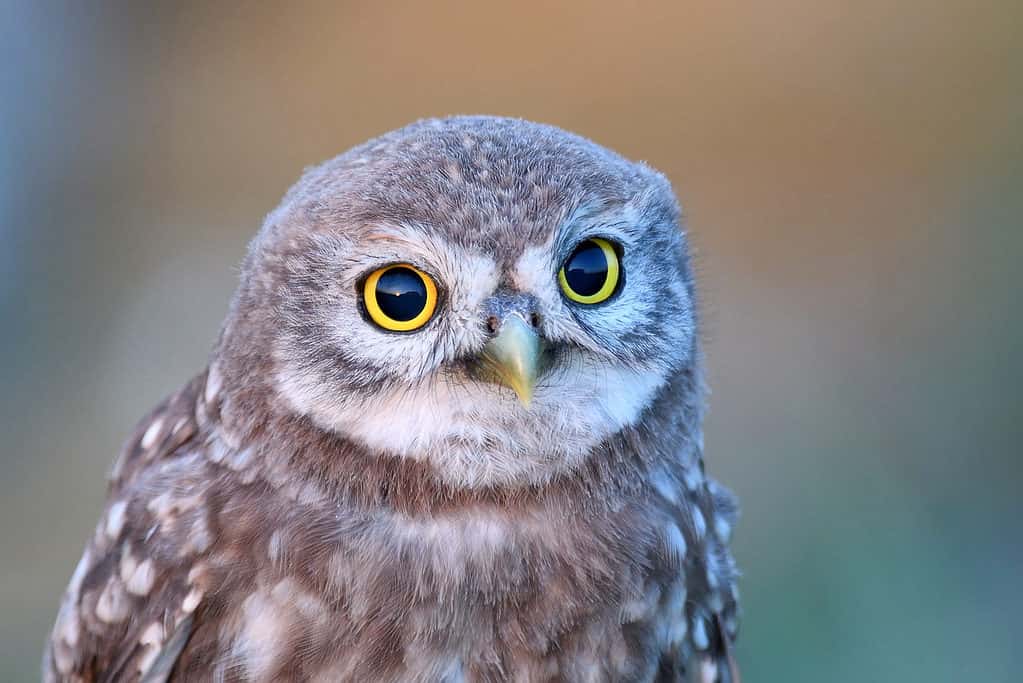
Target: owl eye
x=399, y=297
x=590, y=275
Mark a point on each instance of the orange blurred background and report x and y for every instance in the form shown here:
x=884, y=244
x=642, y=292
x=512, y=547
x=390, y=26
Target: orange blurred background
x=852, y=176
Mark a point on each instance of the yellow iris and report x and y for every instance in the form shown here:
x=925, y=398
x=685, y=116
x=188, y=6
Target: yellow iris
x=400, y=297
x=590, y=275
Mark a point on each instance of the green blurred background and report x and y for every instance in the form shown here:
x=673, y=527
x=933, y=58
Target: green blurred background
x=853, y=180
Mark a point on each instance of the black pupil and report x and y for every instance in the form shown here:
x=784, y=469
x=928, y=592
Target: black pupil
x=401, y=294
x=586, y=269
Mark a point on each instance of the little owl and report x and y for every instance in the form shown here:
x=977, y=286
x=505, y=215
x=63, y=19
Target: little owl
x=451, y=431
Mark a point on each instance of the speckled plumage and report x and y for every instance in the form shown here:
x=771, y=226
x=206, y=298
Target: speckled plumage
x=332, y=502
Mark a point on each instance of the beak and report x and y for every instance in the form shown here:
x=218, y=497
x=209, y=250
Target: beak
x=512, y=357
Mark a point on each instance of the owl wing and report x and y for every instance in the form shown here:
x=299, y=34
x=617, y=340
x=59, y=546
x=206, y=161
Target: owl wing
x=129, y=608
x=715, y=665
x=719, y=661
x=708, y=621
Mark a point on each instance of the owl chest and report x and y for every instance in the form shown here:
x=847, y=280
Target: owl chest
x=446, y=600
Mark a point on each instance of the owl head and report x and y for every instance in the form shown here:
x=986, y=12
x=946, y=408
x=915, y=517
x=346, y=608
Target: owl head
x=493, y=297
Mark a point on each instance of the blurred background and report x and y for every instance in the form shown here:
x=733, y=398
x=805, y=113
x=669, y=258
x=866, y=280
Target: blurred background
x=852, y=175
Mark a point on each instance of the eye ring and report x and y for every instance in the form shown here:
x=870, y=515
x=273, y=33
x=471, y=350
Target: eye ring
x=581, y=279
x=385, y=308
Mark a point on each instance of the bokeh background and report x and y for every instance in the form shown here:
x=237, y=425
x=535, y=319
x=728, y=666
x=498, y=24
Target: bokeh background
x=853, y=179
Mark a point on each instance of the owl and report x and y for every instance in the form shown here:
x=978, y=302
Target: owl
x=450, y=431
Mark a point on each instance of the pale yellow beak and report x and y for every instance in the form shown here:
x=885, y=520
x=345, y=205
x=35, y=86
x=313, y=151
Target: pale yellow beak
x=512, y=358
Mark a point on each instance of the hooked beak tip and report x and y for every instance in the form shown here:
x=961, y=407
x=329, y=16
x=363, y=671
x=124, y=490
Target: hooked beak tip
x=512, y=358
x=525, y=394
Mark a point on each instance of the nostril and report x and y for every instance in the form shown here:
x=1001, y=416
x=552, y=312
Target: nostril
x=492, y=323
x=534, y=320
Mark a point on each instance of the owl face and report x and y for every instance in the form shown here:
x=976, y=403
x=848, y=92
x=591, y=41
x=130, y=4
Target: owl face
x=492, y=296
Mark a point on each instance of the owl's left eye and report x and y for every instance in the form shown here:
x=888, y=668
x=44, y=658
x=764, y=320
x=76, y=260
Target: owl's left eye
x=590, y=275
x=399, y=297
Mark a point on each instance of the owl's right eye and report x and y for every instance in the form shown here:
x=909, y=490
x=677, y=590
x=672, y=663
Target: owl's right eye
x=399, y=297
